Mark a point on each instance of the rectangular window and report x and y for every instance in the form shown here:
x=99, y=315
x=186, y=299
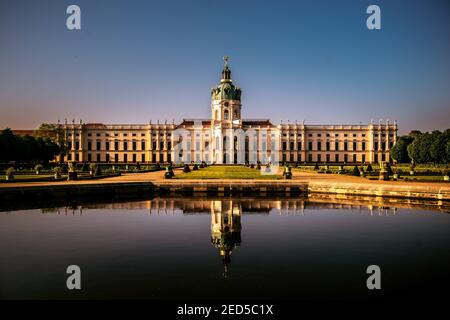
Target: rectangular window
x=310, y=145
x=134, y=146
x=116, y=145
x=310, y=157
x=89, y=145
x=125, y=146
x=161, y=157
x=169, y=145
x=346, y=158
x=319, y=145
x=328, y=158
x=363, y=146
x=376, y=147
x=299, y=145
x=319, y=158
x=142, y=145
x=153, y=145
x=161, y=145
x=107, y=157
x=327, y=145
x=383, y=146
x=354, y=145
x=284, y=145
x=89, y=157
x=116, y=158
x=98, y=157
x=143, y=157
x=77, y=146
x=134, y=157
x=292, y=145
x=336, y=158
x=125, y=157
x=363, y=158
x=354, y=158
x=99, y=145
x=336, y=146
x=345, y=146
x=107, y=145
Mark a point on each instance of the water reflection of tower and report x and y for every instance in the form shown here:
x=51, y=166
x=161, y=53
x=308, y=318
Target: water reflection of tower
x=225, y=229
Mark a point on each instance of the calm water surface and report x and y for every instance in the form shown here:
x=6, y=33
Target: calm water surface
x=220, y=248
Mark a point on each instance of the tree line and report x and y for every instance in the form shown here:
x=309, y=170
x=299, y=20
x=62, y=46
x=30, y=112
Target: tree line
x=26, y=148
x=418, y=147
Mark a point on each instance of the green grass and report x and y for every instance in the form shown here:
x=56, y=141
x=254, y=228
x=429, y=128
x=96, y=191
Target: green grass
x=226, y=172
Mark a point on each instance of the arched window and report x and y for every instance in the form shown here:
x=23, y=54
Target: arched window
x=216, y=117
x=225, y=115
x=235, y=114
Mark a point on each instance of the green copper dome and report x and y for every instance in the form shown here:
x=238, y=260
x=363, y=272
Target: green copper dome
x=226, y=90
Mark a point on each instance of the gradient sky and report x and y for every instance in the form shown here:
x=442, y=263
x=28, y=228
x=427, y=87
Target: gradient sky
x=139, y=60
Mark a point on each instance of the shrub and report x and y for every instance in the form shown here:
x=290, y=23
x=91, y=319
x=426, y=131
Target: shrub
x=355, y=171
x=138, y=166
x=369, y=168
x=98, y=171
x=186, y=168
x=10, y=173
x=316, y=167
x=57, y=170
x=195, y=167
x=63, y=168
x=85, y=167
x=38, y=168
x=92, y=167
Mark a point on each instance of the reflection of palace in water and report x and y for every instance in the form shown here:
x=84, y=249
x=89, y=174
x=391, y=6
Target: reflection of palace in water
x=225, y=229
x=226, y=213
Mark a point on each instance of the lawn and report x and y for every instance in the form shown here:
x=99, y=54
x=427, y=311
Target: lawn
x=226, y=172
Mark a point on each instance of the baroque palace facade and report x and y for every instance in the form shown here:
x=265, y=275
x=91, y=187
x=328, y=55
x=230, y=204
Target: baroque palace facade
x=228, y=138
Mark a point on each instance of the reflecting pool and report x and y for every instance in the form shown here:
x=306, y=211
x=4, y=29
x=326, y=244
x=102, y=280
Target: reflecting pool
x=218, y=248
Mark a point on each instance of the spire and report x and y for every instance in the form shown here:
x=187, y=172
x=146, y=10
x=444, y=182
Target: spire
x=226, y=72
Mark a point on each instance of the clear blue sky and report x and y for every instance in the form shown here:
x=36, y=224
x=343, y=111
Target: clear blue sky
x=139, y=60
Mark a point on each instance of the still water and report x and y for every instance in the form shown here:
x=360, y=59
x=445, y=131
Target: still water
x=219, y=248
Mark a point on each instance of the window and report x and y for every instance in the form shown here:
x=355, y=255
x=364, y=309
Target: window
x=363, y=146
x=284, y=145
x=142, y=145
x=69, y=145
x=376, y=147
x=125, y=158
x=107, y=145
x=354, y=145
x=310, y=145
x=161, y=145
x=77, y=146
x=336, y=158
x=89, y=145
x=383, y=146
x=107, y=157
x=116, y=158
x=154, y=146
x=328, y=158
x=327, y=146
x=345, y=157
x=299, y=145
x=319, y=158
x=291, y=145
x=98, y=157
x=225, y=115
x=99, y=145
x=89, y=157
x=169, y=145
x=336, y=146
x=125, y=146
x=134, y=157
x=116, y=145
x=319, y=145
x=354, y=157
x=310, y=157
x=134, y=147
x=143, y=157
x=345, y=146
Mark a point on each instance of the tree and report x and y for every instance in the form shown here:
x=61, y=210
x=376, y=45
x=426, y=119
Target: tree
x=54, y=133
x=399, y=151
x=419, y=149
x=447, y=152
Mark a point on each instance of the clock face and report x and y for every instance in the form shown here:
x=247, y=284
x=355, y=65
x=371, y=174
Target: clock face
x=226, y=104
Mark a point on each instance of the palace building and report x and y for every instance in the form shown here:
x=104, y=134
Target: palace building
x=228, y=138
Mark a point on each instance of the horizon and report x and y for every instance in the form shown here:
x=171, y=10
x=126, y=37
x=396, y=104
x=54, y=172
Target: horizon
x=313, y=61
